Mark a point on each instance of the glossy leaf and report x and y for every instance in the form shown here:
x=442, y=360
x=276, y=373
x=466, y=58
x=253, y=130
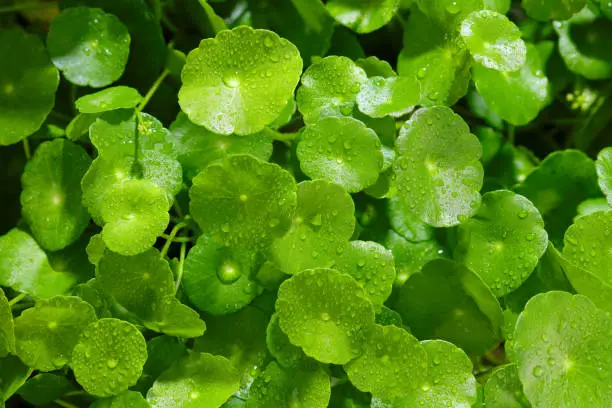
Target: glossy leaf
x=395, y=96
x=117, y=97
x=363, y=17
x=552, y=9
x=504, y=388
x=7, y=331
x=604, y=172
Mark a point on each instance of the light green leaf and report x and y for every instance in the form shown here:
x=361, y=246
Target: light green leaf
x=562, y=181
x=89, y=46
x=561, y=349
x=197, y=380
x=388, y=317
x=127, y=399
x=341, y=150
x=135, y=213
x=592, y=205
x=175, y=319
x=363, y=17
x=501, y=6
x=109, y=357
x=372, y=266
x=448, y=301
x=326, y=313
x=438, y=169
x=51, y=195
x=503, y=242
x=243, y=202
x=197, y=147
x=234, y=95
x=395, y=96
x=447, y=13
x=162, y=351
x=13, y=374
x=604, y=172
x=116, y=97
x=27, y=87
x=438, y=59
x=286, y=354
x=323, y=223
x=405, y=223
x=329, y=87
x=410, y=256
x=79, y=126
x=373, y=67
x=25, y=268
x=544, y=10
x=504, y=389
x=516, y=97
x=44, y=388
x=7, y=330
x=217, y=279
x=47, y=333
x=307, y=385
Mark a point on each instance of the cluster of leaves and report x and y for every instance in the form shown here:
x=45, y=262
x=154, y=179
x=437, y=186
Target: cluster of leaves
x=309, y=227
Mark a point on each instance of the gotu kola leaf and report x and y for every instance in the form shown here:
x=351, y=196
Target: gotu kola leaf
x=552, y=9
x=363, y=17
x=7, y=330
x=604, y=172
x=27, y=87
x=395, y=96
x=117, y=97
x=243, y=94
x=286, y=354
x=504, y=389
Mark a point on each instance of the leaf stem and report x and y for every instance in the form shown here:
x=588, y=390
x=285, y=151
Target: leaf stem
x=511, y=133
x=16, y=8
x=177, y=239
x=76, y=393
x=26, y=148
x=152, y=90
x=178, y=209
x=179, y=275
x=171, y=237
x=17, y=299
x=64, y=404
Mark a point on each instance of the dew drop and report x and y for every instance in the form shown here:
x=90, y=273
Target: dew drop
x=229, y=272
x=538, y=371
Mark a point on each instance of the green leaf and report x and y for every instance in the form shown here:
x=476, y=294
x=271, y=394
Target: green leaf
x=162, y=351
x=243, y=202
x=329, y=87
x=363, y=17
x=326, y=313
x=504, y=389
x=51, y=195
x=562, y=181
x=217, y=22
x=516, y=97
x=391, y=364
x=479, y=107
x=504, y=241
x=583, y=43
x=448, y=301
x=604, y=172
x=395, y=96
x=229, y=97
x=28, y=85
x=89, y=46
x=109, y=357
x=544, y=10
x=197, y=380
x=197, y=147
x=286, y=354
x=388, y=317
x=241, y=338
x=438, y=169
x=79, y=126
x=438, y=59
x=322, y=225
x=175, y=319
x=116, y=97
x=7, y=331
x=494, y=41
x=44, y=388
x=410, y=256
x=341, y=150
x=92, y=293
x=302, y=386
x=25, y=268
x=562, y=353
x=501, y=6
x=127, y=399
x=47, y=333
x=405, y=223
x=13, y=374
x=372, y=266
x=373, y=67
x=217, y=279
x=135, y=213
x=447, y=13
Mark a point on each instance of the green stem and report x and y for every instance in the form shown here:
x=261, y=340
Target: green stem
x=26, y=148
x=177, y=239
x=171, y=237
x=64, y=404
x=15, y=8
x=168, y=24
x=179, y=275
x=77, y=393
x=17, y=299
x=511, y=133
x=282, y=137
x=178, y=209
x=152, y=91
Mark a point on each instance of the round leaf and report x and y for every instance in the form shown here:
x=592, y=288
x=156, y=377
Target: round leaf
x=7, y=331
x=27, y=85
x=163, y=351
x=47, y=333
x=410, y=256
x=373, y=66
x=516, y=97
x=448, y=301
x=197, y=380
x=117, y=97
x=405, y=223
x=504, y=389
x=175, y=319
x=504, y=241
x=243, y=202
x=245, y=93
x=604, y=172
x=494, y=41
x=51, y=197
x=109, y=357
x=217, y=279
x=396, y=96
x=45, y=388
x=341, y=150
x=363, y=17
x=323, y=223
x=287, y=355
x=326, y=313
x=561, y=349
x=447, y=13
x=438, y=170
x=127, y=399
x=89, y=46
x=329, y=87
x=544, y=10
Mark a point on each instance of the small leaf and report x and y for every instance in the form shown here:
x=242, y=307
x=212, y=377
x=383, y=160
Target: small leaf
x=89, y=46
x=162, y=351
x=127, y=399
x=286, y=354
x=544, y=10
x=504, y=389
x=604, y=172
x=410, y=256
x=175, y=319
x=373, y=67
x=7, y=331
x=363, y=17
x=117, y=97
x=44, y=388
x=395, y=96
